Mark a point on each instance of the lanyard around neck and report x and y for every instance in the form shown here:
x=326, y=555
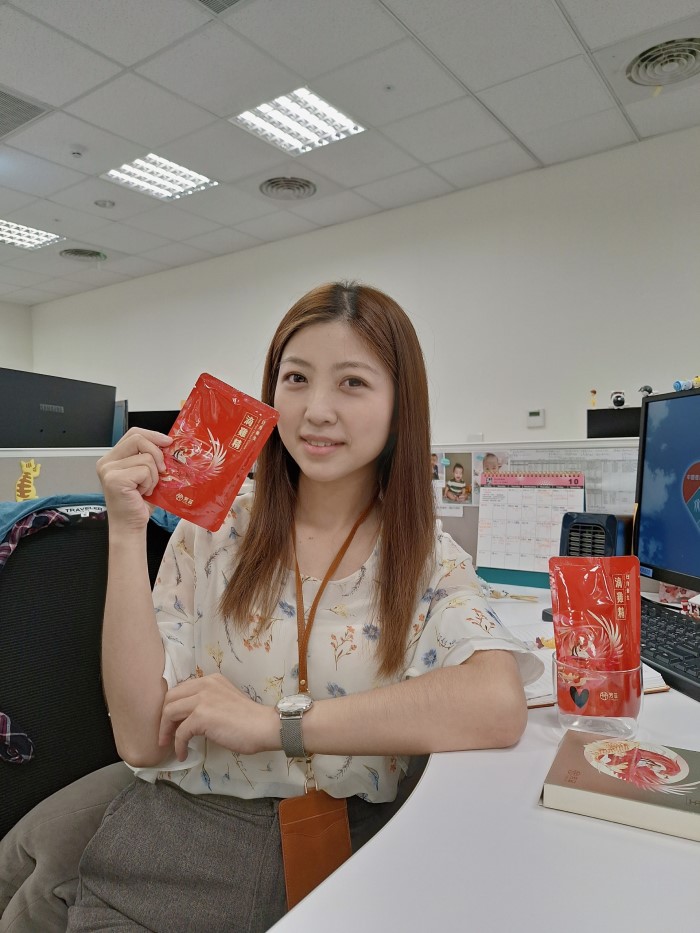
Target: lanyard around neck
x=304, y=629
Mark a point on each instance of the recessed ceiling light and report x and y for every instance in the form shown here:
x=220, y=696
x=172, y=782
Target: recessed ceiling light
x=26, y=237
x=159, y=178
x=298, y=122
x=103, y=202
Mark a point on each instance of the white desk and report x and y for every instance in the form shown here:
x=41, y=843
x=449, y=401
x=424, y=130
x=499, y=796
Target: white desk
x=472, y=850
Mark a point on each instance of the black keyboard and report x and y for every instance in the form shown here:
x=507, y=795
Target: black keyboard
x=671, y=645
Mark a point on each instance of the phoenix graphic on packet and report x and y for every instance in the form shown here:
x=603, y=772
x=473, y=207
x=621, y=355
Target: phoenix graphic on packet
x=216, y=439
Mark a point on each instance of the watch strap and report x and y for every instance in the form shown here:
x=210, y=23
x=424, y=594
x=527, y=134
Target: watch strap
x=291, y=736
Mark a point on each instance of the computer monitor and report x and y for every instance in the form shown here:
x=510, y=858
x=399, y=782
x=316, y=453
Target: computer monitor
x=39, y=410
x=153, y=420
x=666, y=536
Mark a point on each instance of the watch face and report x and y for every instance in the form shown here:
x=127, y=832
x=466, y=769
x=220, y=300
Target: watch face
x=298, y=703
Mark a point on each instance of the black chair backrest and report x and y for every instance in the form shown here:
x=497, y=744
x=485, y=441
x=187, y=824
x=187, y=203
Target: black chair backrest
x=52, y=592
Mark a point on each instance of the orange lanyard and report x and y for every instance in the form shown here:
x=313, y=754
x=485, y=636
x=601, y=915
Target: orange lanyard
x=304, y=629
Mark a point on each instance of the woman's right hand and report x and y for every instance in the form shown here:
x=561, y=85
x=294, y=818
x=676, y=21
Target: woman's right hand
x=130, y=471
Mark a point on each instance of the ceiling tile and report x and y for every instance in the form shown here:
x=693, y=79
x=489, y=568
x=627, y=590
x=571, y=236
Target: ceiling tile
x=447, y=130
x=220, y=71
x=315, y=36
x=35, y=176
x=48, y=261
x=388, y=85
x=594, y=133
x=227, y=206
x=12, y=200
x=159, y=117
x=135, y=266
x=335, y=209
x=475, y=168
x=30, y=296
x=358, y=160
x=21, y=278
x=55, y=218
x=83, y=197
x=34, y=56
x=408, y=188
x=493, y=41
x=419, y=15
x=126, y=238
x=223, y=241
x=127, y=31
x=97, y=274
x=172, y=222
x=62, y=287
x=277, y=226
x=603, y=23
x=177, y=254
x=223, y=152
x=58, y=135
x=557, y=94
x=667, y=112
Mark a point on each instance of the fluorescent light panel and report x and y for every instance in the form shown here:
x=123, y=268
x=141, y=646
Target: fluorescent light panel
x=298, y=122
x=159, y=178
x=26, y=237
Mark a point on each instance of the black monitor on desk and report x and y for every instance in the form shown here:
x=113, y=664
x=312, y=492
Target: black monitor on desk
x=666, y=536
x=38, y=410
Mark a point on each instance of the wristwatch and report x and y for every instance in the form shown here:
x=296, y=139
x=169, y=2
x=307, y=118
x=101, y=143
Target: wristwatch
x=291, y=710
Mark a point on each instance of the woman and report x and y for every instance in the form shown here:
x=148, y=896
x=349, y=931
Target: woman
x=397, y=656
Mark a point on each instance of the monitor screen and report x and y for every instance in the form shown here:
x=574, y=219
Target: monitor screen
x=667, y=520
x=153, y=420
x=49, y=411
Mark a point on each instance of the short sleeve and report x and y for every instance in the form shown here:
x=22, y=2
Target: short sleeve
x=458, y=621
x=173, y=600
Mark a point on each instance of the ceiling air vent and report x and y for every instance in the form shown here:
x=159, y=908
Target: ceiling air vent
x=288, y=189
x=15, y=112
x=666, y=63
x=83, y=255
x=219, y=6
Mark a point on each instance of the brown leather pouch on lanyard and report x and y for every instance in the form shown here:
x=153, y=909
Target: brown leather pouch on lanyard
x=315, y=840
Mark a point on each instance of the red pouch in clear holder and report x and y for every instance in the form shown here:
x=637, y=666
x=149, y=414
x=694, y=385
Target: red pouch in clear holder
x=216, y=439
x=597, y=618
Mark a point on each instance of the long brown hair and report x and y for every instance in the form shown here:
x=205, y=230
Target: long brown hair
x=407, y=512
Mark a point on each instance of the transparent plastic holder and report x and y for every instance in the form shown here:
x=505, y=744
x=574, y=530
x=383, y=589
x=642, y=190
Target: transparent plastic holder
x=607, y=702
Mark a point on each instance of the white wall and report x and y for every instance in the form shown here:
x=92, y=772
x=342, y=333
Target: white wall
x=526, y=292
x=15, y=336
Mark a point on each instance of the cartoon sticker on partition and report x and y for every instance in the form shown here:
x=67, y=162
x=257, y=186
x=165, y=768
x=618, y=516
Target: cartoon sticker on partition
x=24, y=487
x=691, y=491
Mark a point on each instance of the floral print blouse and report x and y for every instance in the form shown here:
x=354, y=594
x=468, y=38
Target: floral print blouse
x=451, y=621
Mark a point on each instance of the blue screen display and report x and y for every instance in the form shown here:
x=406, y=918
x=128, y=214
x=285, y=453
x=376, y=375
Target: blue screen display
x=668, y=516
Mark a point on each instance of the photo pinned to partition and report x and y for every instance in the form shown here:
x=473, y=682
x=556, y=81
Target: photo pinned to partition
x=496, y=459
x=452, y=481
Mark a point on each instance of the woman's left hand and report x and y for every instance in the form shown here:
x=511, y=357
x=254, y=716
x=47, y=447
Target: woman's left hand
x=213, y=707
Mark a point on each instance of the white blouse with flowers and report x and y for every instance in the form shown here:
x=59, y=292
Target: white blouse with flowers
x=451, y=622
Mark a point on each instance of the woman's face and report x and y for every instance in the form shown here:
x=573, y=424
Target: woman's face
x=336, y=403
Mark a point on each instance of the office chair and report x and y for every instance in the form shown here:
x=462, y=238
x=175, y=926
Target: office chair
x=52, y=593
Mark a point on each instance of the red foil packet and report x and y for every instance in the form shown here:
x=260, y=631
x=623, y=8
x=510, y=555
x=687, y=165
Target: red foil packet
x=596, y=610
x=217, y=438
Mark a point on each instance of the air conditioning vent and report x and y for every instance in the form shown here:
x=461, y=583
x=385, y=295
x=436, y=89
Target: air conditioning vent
x=666, y=63
x=83, y=255
x=288, y=189
x=219, y=6
x=15, y=112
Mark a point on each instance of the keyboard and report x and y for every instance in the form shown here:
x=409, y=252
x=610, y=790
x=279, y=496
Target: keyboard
x=671, y=645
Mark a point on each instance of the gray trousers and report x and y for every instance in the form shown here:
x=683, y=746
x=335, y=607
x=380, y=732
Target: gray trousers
x=170, y=862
